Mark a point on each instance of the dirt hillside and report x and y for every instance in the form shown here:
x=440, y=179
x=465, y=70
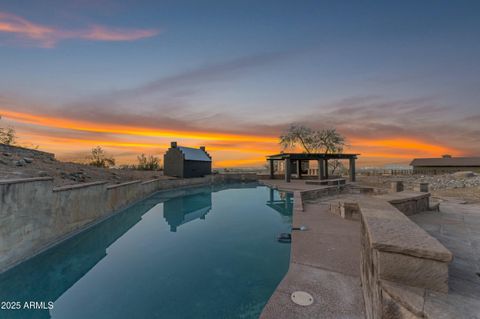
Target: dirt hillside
x=17, y=162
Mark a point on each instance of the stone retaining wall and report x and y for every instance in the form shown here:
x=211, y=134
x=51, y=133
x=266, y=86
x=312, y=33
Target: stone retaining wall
x=395, y=249
x=324, y=191
x=35, y=215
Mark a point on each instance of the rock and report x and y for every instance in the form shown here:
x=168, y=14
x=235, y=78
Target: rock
x=77, y=176
x=28, y=160
x=20, y=162
x=3, y=162
x=7, y=154
x=464, y=174
x=42, y=174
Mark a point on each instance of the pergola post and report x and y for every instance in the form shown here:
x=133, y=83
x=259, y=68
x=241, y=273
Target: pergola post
x=272, y=176
x=352, y=169
x=326, y=169
x=288, y=170
x=299, y=169
x=321, y=169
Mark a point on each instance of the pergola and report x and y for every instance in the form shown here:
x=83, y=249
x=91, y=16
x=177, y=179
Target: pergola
x=322, y=159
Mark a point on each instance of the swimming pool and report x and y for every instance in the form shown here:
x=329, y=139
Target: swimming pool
x=208, y=252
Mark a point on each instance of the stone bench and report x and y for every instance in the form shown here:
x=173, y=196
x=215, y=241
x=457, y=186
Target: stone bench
x=408, y=202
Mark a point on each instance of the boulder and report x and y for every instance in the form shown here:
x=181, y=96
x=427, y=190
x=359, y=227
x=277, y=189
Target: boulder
x=28, y=160
x=464, y=174
x=20, y=162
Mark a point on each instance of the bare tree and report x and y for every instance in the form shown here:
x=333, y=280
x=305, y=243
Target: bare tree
x=332, y=142
x=325, y=141
x=98, y=158
x=298, y=134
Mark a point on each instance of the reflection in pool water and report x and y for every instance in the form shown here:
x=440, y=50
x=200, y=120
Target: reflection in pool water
x=180, y=210
x=158, y=259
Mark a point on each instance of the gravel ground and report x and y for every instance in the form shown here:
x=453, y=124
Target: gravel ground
x=13, y=166
x=471, y=194
x=461, y=185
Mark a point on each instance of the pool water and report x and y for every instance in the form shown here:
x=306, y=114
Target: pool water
x=208, y=252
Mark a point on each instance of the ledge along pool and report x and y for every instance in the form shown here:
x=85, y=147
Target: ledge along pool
x=207, y=252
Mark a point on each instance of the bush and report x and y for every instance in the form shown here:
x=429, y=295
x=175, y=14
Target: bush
x=150, y=163
x=7, y=136
x=98, y=158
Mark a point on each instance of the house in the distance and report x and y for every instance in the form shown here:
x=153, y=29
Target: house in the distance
x=185, y=162
x=445, y=164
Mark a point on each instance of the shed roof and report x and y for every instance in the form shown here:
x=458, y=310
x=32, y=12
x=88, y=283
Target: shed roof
x=447, y=161
x=194, y=154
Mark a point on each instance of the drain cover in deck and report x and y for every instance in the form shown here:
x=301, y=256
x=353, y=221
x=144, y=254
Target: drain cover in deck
x=302, y=298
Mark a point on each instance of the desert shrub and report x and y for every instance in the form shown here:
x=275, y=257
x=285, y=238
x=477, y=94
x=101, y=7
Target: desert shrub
x=7, y=136
x=150, y=163
x=98, y=158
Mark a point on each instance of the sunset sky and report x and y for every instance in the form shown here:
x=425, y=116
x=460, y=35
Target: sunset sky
x=400, y=79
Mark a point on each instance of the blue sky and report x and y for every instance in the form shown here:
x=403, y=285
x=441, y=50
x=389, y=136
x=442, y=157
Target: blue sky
x=408, y=69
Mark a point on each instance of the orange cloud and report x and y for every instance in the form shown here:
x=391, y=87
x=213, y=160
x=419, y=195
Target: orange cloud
x=128, y=130
x=47, y=37
x=403, y=143
x=68, y=137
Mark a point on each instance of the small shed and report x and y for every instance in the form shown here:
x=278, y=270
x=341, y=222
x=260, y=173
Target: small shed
x=185, y=162
x=445, y=164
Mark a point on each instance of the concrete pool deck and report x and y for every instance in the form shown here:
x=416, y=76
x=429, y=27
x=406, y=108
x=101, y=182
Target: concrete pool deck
x=324, y=262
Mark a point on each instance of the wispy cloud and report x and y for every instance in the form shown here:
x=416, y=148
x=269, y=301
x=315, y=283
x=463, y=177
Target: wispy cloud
x=171, y=105
x=46, y=36
x=208, y=73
